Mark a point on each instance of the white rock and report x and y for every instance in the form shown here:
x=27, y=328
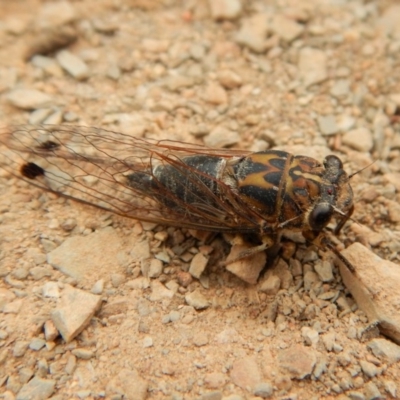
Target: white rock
x=215, y=94
x=310, y=336
x=197, y=300
x=198, y=265
x=271, y=285
x=55, y=13
x=225, y=9
x=327, y=124
x=312, y=66
x=341, y=88
x=253, y=33
x=37, y=388
x=128, y=382
x=84, y=257
x=297, y=360
x=229, y=79
x=74, y=311
x=73, y=64
x=29, y=99
x=287, y=29
x=50, y=289
x=359, y=139
x=248, y=269
x=160, y=292
x=374, y=286
x=385, y=349
x=221, y=137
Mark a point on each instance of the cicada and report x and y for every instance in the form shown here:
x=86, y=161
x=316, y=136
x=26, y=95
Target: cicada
x=261, y=194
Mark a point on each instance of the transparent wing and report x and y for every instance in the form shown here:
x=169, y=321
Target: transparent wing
x=112, y=171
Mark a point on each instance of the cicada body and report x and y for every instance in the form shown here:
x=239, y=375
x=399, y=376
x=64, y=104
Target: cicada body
x=180, y=184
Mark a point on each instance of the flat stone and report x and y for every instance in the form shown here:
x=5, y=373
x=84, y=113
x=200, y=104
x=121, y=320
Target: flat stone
x=84, y=354
x=245, y=373
x=327, y=124
x=55, y=14
x=389, y=20
x=225, y=9
x=8, y=78
x=29, y=99
x=271, y=285
x=47, y=64
x=177, y=82
x=20, y=348
x=359, y=139
x=129, y=384
x=151, y=267
x=229, y=79
x=160, y=292
x=215, y=380
x=215, y=94
x=73, y=64
x=286, y=28
x=140, y=250
x=197, y=300
x=324, y=271
x=37, y=388
x=13, y=307
x=50, y=289
x=253, y=32
x=369, y=369
x=74, y=311
x=345, y=122
x=198, y=265
x=84, y=257
x=385, y=350
x=50, y=330
x=312, y=66
x=340, y=88
x=98, y=287
x=378, y=277
x=36, y=344
x=310, y=336
x=298, y=361
x=263, y=390
x=248, y=269
x=221, y=137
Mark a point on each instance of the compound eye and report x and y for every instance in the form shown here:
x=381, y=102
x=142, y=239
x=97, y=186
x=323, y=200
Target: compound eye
x=320, y=216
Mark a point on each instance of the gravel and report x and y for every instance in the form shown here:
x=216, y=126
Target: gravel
x=153, y=302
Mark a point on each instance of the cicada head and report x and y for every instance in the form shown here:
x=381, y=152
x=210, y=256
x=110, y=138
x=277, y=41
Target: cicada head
x=336, y=197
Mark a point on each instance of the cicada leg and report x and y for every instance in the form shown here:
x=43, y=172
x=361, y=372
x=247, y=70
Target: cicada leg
x=321, y=241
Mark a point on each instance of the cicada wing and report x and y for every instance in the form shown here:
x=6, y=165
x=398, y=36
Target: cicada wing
x=98, y=167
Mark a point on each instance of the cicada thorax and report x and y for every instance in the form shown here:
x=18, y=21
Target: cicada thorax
x=294, y=192
x=280, y=185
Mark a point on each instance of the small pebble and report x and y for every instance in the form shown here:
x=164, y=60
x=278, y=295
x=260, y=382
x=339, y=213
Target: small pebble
x=263, y=390
x=359, y=139
x=148, y=342
x=84, y=354
x=73, y=65
x=28, y=99
x=197, y=300
x=198, y=265
x=225, y=9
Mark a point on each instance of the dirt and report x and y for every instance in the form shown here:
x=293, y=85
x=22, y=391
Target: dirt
x=308, y=77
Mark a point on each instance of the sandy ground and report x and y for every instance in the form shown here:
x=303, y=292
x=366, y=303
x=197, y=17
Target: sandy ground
x=310, y=77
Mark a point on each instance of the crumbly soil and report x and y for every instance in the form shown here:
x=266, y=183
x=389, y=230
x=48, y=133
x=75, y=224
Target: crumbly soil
x=318, y=77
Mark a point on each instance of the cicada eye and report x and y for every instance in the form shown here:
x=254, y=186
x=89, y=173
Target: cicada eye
x=320, y=216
